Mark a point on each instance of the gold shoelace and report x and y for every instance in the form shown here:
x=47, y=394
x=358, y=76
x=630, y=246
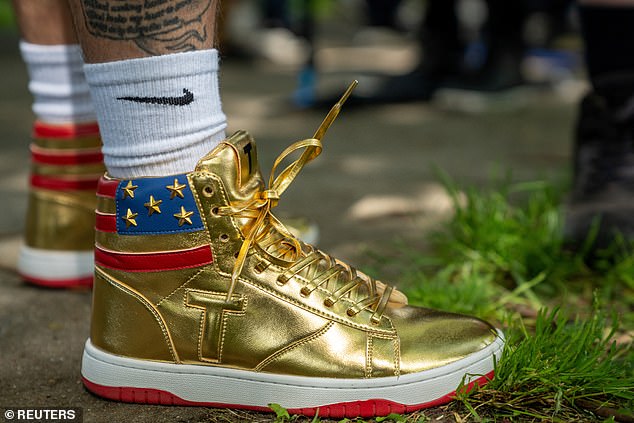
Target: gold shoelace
x=272, y=238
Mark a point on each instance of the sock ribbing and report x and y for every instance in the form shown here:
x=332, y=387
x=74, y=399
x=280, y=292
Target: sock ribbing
x=158, y=115
x=57, y=83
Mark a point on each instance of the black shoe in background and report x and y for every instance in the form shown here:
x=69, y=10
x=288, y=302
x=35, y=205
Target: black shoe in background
x=603, y=187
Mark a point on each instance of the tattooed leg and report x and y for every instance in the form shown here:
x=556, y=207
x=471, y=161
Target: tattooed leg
x=153, y=74
x=53, y=60
x=111, y=30
x=45, y=22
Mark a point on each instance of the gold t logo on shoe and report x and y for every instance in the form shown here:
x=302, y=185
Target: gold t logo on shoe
x=215, y=308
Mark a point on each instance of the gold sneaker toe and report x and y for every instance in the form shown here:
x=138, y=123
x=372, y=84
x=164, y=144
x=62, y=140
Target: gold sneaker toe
x=430, y=339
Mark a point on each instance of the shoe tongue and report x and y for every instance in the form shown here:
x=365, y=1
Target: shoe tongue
x=235, y=160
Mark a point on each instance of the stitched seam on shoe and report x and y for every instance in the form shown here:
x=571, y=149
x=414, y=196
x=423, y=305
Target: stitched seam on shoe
x=225, y=318
x=201, y=330
x=397, y=356
x=325, y=292
x=225, y=201
x=187, y=252
x=368, y=355
x=279, y=353
x=192, y=187
x=147, y=304
x=223, y=193
x=318, y=312
x=180, y=287
x=120, y=207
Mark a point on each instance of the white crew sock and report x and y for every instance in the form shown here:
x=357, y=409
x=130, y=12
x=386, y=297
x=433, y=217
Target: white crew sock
x=57, y=82
x=158, y=115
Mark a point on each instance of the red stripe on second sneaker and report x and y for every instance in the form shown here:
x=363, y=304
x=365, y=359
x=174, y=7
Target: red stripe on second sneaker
x=64, y=184
x=61, y=157
x=70, y=131
x=154, y=261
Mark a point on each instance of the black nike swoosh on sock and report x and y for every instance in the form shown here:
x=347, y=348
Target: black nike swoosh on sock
x=183, y=100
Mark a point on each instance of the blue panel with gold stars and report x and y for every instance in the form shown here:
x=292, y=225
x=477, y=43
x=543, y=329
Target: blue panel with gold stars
x=156, y=206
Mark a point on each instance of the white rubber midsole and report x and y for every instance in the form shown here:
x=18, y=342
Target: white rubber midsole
x=199, y=383
x=55, y=265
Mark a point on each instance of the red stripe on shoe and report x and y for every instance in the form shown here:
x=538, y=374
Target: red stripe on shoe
x=57, y=157
x=154, y=262
x=47, y=130
x=383, y=407
x=352, y=410
x=81, y=282
x=107, y=187
x=63, y=184
x=105, y=222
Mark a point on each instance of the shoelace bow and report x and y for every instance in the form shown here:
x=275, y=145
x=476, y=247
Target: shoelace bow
x=268, y=233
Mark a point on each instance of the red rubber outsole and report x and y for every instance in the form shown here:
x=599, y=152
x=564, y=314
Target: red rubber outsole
x=75, y=283
x=363, y=409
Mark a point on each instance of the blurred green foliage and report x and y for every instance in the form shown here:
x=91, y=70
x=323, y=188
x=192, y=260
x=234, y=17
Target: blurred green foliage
x=7, y=19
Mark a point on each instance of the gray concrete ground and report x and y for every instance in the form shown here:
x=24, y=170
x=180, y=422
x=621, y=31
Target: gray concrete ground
x=373, y=184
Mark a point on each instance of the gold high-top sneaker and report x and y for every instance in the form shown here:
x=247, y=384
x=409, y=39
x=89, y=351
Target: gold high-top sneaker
x=59, y=240
x=202, y=297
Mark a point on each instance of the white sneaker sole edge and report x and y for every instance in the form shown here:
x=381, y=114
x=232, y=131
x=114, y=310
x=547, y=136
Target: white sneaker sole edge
x=241, y=388
x=56, y=268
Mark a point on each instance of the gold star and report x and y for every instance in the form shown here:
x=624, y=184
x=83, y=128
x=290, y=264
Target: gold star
x=183, y=216
x=130, y=218
x=176, y=189
x=153, y=205
x=128, y=190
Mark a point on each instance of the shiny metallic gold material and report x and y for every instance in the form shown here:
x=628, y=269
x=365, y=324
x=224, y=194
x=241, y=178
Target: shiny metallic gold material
x=80, y=142
x=60, y=221
x=184, y=216
x=128, y=190
x=267, y=302
x=153, y=205
x=129, y=218
x=63, y=219
x=92, y=171
x=176, y=189
x=151, y=243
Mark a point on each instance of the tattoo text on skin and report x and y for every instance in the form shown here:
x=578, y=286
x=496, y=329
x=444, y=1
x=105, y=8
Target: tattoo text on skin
x=156, y=26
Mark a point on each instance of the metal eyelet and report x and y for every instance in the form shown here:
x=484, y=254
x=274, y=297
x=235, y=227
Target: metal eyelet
x=224, y=238
x=214, y=211
x=260, y=267
x=208, y=190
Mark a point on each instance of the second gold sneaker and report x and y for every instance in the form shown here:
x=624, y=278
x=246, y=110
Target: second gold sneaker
x=202, y=297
